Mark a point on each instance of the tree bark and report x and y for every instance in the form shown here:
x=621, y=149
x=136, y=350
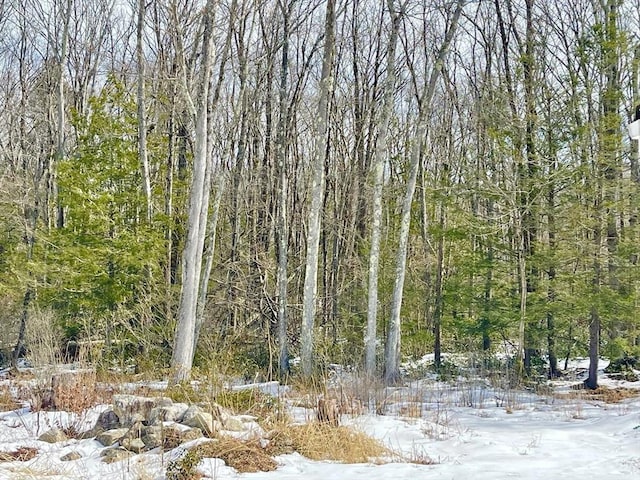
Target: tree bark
x=381, y=153
x=142, y=121
x=60, y=149
x=392, y=346
x=182, y=359
x=317, y=195
x=282, y=224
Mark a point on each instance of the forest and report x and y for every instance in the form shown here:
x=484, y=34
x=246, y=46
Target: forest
x=275, y=186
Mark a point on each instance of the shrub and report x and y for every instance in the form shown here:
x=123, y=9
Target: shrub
x=185, y=467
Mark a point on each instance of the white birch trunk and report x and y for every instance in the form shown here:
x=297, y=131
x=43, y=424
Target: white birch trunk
x=378, y=178
x=184, y=341
x=211, y=245
x=142, y=123
x=317, y=195
x=392, y=347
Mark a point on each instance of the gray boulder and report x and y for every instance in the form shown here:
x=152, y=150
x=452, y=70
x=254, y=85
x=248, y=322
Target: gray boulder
x=54, y=435
x=110, y=437
x=167, y=413
x=112, y=455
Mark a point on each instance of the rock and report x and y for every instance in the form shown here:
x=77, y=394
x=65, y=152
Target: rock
x=132, y=408
x=167, y=413
x=135, y=431
x=132, y=439
x=167, y=437
x=247, y=418
x=110, y=437
x=191, y=411
x=108, y=420
x=164, y=402
x=152, y=436
x=190, y=434
x=54, y=435
x=202, y=420
x=71, y=456
x=233, y=424
x=111, y=455
x=135, y=445
x=253, y=430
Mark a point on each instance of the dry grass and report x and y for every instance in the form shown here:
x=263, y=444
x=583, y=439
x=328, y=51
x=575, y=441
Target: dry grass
x=244, y=456
x=418, y=456
x=7, y=400
x=324, y=442
x=604, y=394
x=22, y=454
x=72, y=391
x=411, y=410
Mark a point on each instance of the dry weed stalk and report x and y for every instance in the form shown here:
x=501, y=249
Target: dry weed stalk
x=245, y=456
x=327, y=411
x=324, y=442
x=22, y=454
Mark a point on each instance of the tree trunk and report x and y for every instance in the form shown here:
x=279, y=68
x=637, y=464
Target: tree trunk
x=392, y=346
x=608, y=172
x=142, y=121
x=551, y=233
x=206, y=273
x=439, y=300
x=317, y=194
x=182, y=359
x=381, y=154
x=282, y=225
x=60, y=150
x=594, y=349
x=18, y=349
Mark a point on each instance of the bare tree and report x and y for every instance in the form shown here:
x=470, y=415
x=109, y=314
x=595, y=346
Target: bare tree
x=317, y=192
x=142, y=120
x=182, y=359
x=380, y=159
x=392, y=346
x=283, y=185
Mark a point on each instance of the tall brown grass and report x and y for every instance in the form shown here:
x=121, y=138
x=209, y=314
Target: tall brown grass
x=325, y=442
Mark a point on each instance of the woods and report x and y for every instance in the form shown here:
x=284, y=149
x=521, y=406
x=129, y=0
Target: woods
x=237, y=183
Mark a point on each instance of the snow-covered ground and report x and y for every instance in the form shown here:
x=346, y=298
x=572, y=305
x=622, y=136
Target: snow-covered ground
x=457, y=430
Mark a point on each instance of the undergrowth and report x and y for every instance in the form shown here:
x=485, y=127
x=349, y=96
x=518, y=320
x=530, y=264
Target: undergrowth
x=246, y=456
x=324, y=442
x=607, y=395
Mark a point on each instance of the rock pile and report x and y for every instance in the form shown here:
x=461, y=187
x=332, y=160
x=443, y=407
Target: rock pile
x=135, y=424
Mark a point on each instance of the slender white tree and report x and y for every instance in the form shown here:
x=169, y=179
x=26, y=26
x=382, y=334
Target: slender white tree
x=282, y=166
x=184, y=341
x=317, y=194
x=392, y=346
x=142, y=121
x=381, y=155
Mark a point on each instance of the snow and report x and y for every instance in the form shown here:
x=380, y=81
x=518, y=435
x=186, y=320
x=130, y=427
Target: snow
x=463, y=429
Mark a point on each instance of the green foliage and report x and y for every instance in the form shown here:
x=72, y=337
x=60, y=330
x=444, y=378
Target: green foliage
x=185, y=467
x=105, y=258
x=248, y=401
